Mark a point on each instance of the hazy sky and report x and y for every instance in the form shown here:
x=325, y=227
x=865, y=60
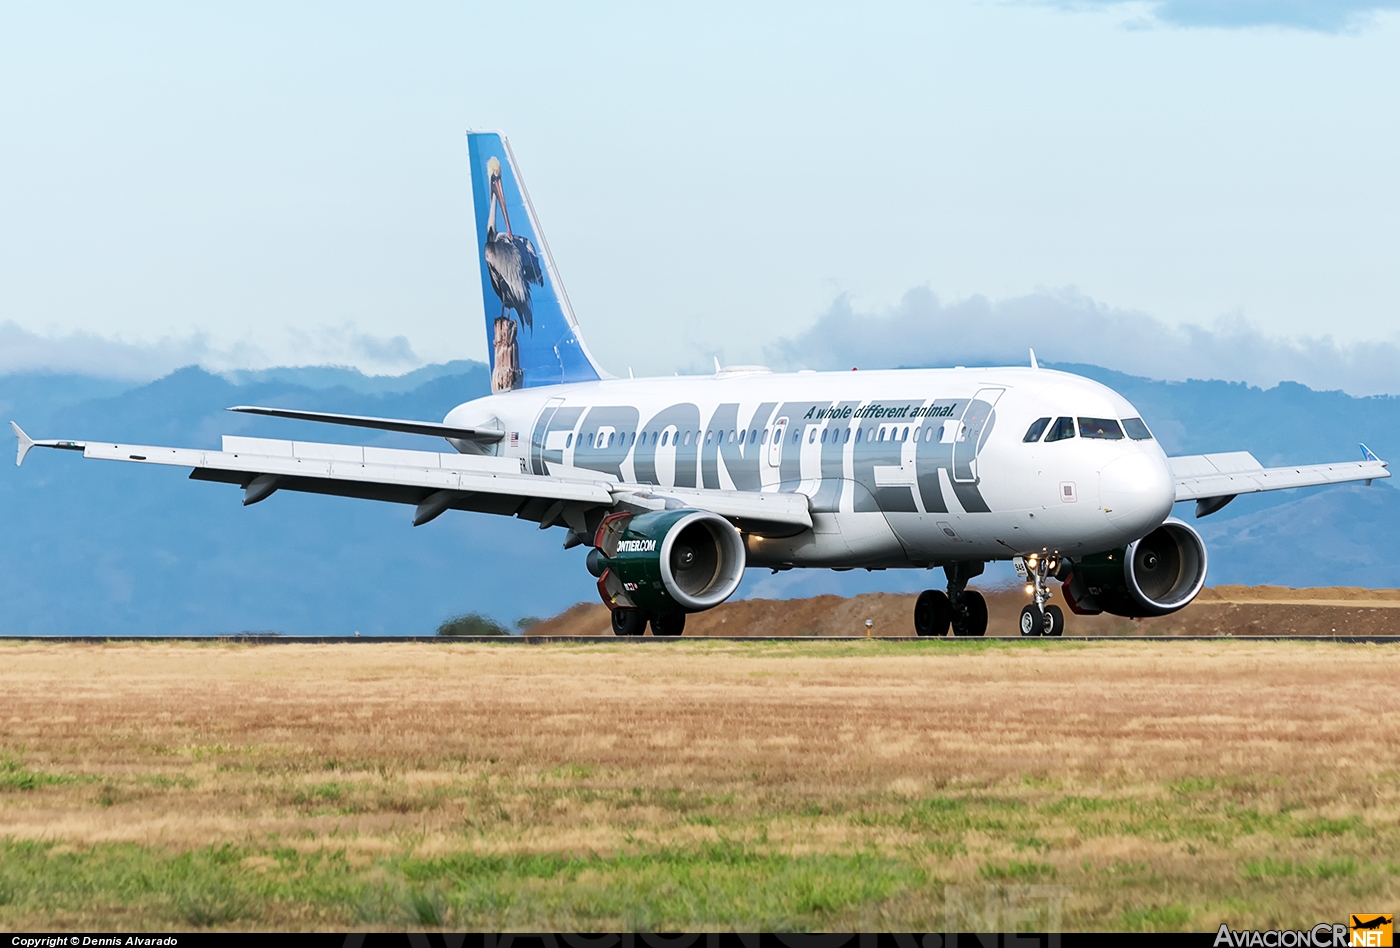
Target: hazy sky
x=287, y=183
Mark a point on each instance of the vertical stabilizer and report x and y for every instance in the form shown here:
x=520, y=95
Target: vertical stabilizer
x=531, y=332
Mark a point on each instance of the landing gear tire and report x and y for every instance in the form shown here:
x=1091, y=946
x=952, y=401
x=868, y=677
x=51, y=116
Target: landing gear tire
x=629, y=621
x=1033, y=621
x=1054, y=621
x=668, y=623
x=932, y=613
x=974, y=618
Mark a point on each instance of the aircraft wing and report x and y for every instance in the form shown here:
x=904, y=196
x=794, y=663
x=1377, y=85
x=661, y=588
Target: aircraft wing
x=435, y=482
x=1213, y=480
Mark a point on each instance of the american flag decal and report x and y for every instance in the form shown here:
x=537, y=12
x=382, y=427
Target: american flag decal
x=515, y=439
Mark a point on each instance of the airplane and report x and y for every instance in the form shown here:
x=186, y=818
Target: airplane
x=677, y=485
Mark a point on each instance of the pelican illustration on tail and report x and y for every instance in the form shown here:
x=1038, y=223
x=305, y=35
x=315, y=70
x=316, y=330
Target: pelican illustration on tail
x=513, y=265
x=532, y=333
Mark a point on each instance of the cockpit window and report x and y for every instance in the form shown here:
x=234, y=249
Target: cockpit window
x=1036, y=429
x=1062, y=428
x=1136, y=429
x=1107, y=428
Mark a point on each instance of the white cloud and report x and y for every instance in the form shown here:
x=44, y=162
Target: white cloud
x=1322, y=16
x=90, y=354
x=1066, y=326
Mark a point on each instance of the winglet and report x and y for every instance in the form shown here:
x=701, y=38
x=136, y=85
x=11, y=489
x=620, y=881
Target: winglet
x=1366, y=453
x=25, y=443
x=1034, y=364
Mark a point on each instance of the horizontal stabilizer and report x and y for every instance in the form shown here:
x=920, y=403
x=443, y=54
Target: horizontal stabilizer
x=484, y=435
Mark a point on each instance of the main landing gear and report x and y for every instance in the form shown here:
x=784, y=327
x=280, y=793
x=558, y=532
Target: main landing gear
x=962, y=609
x=634, y=622
x=1039, y=618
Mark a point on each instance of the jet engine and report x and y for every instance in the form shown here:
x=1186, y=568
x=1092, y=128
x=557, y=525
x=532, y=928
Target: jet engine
x=1154, y=576
x=667, y=561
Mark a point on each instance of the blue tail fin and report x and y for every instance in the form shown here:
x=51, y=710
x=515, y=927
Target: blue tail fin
x=531, y=332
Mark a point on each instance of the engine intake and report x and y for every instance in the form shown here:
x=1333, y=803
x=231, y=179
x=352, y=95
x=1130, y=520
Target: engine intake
x=667, y=561
x=1154, y=576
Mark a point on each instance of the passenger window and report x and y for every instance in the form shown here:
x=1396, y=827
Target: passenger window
x=812, y=436
x=764, y=439
x=905, y=435
x=1036, y=429
x=687, y=438
x=860, y=434
x=1105, y=428
x=1062, y=428
x=825, y=432
x=569, y=441
x=1136, y=429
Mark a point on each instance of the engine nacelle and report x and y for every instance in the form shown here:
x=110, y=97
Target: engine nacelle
x=667, y=561
x=1154, y=576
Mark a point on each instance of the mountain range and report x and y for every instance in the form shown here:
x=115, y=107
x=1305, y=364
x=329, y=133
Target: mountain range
x=93, y=548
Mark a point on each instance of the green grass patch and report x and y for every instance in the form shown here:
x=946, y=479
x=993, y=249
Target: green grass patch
x=15, y=776
x=1319, y=826
x=1156, y=918
x=1015, y=870
x=724, y=884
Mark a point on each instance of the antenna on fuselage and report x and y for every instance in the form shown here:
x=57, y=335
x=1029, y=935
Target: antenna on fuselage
x=1034, y=364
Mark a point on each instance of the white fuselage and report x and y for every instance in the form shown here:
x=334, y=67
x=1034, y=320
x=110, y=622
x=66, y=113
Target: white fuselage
x=908, y=467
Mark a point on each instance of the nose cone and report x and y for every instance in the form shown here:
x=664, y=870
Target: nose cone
x=1136, y=492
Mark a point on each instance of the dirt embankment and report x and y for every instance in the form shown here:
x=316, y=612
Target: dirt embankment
x=1220, y=610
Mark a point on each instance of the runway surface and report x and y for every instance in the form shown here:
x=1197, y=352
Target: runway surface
x=256, y=639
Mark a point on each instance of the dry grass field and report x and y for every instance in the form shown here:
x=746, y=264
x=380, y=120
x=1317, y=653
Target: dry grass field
x=694, y=784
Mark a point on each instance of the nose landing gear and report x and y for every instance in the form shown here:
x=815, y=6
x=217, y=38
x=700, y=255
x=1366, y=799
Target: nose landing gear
x=1042, y=621
x=1039, y=618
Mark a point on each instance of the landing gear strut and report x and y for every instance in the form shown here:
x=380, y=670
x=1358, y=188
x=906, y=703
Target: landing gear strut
x=967, y=608
x=1039, y=618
